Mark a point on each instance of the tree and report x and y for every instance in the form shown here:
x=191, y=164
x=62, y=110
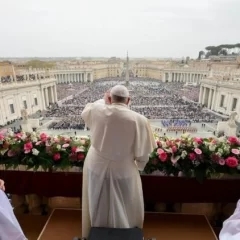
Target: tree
x=40, y=64
x=200, y=54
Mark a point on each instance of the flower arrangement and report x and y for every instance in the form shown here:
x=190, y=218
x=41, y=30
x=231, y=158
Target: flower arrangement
x=195, y=157
x=185, y=156
x=35, y=150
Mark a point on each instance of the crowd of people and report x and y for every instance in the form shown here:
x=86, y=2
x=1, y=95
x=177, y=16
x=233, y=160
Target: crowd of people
x=152, y=98
x=20, y=78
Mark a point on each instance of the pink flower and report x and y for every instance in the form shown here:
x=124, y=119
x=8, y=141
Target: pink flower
x=65, y=145
x=11, y=153
x=3, y=131
x=235, y=151
x=214, y=141
x=18, y=135
x=38, y=143
x=174, y=159
x=56, y=140
x=198, y=140
x=198, y=151
x=158, y=143
x=169, y=143
x=159, y=151
x=56, y=156
x=28, y=147
x=192, y=156
x=221, y=161
x=233, y=140
x=43, y=137
x=232, y=162
x=174, y=149
x=163, y=157
x=1, y=137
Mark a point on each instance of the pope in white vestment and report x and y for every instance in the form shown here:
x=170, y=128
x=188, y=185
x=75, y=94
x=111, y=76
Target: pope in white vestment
x=9, y=226
x=231, y=227
x=121, y=141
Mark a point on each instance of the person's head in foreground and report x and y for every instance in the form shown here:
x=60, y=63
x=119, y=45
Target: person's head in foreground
x=119, y=94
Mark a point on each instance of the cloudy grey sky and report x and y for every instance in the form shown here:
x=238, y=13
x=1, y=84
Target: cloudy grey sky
x=146, y=28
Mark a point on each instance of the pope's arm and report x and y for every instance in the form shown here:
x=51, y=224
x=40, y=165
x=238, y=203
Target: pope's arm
x=144, y=143
x=86, y=113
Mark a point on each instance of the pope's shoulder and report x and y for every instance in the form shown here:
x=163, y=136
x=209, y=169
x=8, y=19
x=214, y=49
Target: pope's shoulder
x=139, y=116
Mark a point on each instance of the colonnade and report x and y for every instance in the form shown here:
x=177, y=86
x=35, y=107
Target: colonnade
x=223, y=98
x=207, y=97
x=183, y=77
x=69, y=77
x=49, y=95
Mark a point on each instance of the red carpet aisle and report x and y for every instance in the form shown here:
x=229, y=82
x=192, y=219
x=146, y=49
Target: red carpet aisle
x=64, y=224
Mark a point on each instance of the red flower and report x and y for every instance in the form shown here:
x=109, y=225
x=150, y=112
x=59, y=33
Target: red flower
x=80, y=156
x=56, y=156
x=192, y=156
x=233, y=140
x=232, y=162
x=163, y=156
x=74, y=148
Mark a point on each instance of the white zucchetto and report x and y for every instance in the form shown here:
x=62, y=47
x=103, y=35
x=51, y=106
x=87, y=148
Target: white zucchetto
x=120, y=91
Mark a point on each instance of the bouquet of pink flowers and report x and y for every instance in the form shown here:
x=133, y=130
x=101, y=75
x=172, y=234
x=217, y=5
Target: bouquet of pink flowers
x=195, y=157
x=36, y=150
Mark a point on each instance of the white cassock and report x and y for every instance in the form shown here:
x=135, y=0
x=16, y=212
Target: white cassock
x=9, y=226
x=231, y=226
x=121, y=141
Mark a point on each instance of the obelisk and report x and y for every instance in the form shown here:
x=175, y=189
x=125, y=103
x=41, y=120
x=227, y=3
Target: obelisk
x=127, y=71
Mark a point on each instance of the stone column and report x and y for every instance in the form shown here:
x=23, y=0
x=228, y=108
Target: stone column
x=213, y=100
x=200, y=94
x=204, y=95
x=46, y=96
x=91, y=75
x=43, y=99
x=52, y=96
x=55, y=93
x=209, y=99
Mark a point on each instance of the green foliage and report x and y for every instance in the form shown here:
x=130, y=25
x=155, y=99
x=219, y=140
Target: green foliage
x=40, y=64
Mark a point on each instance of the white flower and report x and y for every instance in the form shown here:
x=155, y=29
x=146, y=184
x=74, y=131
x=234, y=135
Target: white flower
x=80, y=149
x=186, y=135
x=164, y=145
x=220, y=151
x=184, y=154
x=82, y=141
x=58, y=147
x=23, y=137
x=212, y=147
x=33, y=134
x=35, y=151
x=221, y=139
x=195, y=144
x=34, y=139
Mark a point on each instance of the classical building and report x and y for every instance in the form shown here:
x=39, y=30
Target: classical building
x=220, y=95
x=32, y=91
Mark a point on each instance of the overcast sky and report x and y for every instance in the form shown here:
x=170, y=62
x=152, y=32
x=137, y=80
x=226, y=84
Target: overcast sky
x=146, y=28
